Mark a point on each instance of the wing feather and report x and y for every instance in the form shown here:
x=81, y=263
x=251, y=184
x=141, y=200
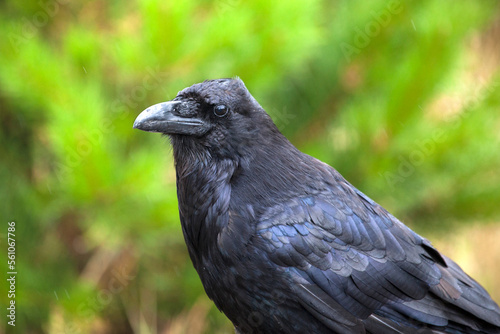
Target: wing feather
x=349, y=260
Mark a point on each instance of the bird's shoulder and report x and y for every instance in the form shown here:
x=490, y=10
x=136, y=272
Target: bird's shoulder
x=339, y=220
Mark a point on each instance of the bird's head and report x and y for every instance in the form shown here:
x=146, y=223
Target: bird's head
x=216, y=116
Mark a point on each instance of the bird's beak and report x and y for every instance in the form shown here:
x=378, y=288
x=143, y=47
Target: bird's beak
x=167, y=117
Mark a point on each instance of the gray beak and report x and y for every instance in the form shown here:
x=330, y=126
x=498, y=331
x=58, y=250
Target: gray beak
x=167, y=118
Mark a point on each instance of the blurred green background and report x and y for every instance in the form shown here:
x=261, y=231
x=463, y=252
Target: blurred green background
x=401, y=97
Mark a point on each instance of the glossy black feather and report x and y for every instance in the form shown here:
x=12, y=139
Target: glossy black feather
x=284, y=244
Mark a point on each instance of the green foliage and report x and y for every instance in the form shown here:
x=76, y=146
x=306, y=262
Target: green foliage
x=401, y=97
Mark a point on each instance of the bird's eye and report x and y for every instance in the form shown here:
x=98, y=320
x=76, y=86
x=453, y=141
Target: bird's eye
x=221, y=110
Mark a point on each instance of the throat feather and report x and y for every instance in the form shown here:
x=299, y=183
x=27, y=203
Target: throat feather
x=204, y=193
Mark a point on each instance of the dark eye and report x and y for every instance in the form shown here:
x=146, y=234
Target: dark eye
x=221, y=110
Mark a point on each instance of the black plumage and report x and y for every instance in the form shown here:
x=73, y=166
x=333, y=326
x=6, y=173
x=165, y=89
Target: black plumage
x=284, y=244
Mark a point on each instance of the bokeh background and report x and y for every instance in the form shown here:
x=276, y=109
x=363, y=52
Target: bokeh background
x=402, y=97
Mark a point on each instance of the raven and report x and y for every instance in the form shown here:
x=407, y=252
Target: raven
x=284, y=244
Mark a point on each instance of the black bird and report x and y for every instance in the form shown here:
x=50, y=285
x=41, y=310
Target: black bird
x=284, y=244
